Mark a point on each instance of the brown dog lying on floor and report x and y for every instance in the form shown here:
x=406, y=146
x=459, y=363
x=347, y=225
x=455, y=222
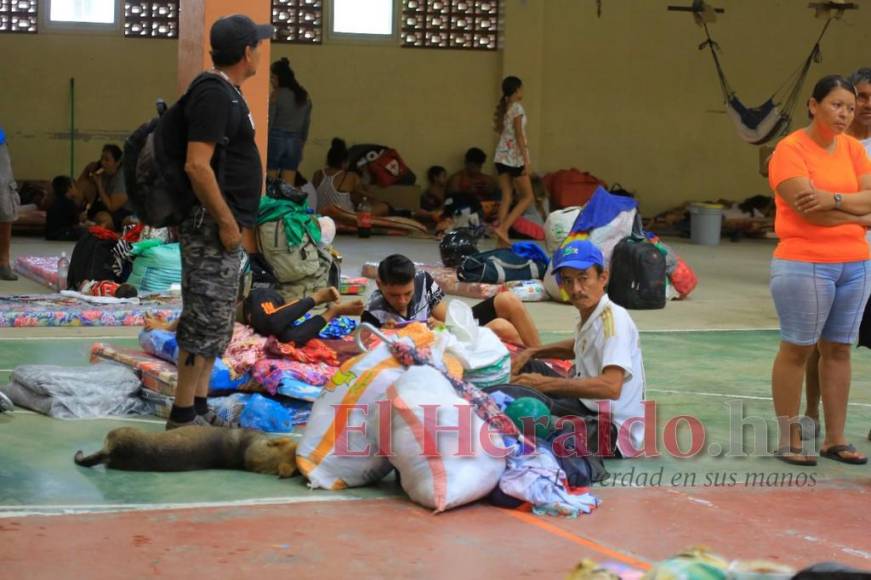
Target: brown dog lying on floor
x=191, y=448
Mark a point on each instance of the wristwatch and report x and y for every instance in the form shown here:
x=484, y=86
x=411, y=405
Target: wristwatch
x=838, y=198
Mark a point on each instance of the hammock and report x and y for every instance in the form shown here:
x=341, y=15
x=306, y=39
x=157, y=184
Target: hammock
x=759, y=125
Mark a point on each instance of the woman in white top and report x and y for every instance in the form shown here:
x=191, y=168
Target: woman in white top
x=339, y=187
x=512, y=157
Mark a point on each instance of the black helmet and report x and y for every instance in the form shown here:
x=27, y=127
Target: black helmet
x=279, y=189
x=456, y=245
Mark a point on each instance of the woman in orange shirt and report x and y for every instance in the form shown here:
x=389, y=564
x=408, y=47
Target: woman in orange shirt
x=820, y=273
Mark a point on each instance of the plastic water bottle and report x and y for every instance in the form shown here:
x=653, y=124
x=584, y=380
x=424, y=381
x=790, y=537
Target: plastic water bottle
x=63, y=268
x=364, y=219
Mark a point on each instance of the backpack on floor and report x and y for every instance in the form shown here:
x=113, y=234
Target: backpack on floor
x=298, y=270
x=498, y=267
x=154, y=157
x=637, y=274
x=389, y=169
x=92, y=259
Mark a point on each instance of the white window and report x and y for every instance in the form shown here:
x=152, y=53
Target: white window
x=82, y=15
x=363, y=18
x=93, y=11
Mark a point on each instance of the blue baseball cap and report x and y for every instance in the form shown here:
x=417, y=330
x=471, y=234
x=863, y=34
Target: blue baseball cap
x=580, y=255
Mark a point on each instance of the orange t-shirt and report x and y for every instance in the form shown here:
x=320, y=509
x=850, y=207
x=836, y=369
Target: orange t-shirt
x=797, y=155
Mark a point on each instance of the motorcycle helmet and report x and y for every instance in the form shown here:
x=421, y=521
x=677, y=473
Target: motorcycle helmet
x=456, y=245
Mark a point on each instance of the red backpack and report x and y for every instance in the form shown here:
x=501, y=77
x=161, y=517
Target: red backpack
x=388, y=168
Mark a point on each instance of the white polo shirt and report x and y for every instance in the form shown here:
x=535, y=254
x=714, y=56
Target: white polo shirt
x=608, y=338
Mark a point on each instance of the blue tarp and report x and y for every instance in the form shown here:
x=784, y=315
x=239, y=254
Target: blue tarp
x=601, y=210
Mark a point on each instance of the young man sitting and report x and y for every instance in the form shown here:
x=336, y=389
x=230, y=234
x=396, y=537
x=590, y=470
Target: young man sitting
x=405, y=295
x=606, y=350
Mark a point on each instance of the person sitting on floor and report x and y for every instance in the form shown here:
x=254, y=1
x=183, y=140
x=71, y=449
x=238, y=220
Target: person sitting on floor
x=265, y=310
x=62, y=217
x=472, y=180
x=109, y=206
x=339, y=188
x=405, y=295
x=606, y=349
x=432, y=200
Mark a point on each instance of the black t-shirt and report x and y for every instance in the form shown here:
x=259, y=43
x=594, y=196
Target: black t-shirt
x=209, y=113
x=62, y=214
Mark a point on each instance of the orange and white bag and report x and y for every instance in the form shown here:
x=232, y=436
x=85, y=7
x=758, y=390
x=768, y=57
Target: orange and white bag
x=340, y=444
x=447, y=469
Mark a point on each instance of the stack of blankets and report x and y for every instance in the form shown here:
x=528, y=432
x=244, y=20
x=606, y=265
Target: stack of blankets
x=274, y=382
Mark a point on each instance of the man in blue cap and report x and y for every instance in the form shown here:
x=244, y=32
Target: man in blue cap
x=9, y=203
x=606, y=350
x=216, y=115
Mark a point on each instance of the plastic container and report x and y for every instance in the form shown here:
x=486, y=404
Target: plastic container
x=706, y=222
x=63, y=269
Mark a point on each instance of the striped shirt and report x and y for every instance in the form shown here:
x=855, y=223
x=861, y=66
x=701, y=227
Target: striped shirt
x=427, y=295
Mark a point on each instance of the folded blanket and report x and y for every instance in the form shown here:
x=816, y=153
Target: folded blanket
x=75, y=392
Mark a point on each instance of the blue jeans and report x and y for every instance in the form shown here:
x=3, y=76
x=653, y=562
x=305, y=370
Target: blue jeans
x=819, y=300
x=284, y=150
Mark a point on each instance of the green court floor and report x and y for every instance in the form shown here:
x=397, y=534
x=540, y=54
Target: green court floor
x=715, y=377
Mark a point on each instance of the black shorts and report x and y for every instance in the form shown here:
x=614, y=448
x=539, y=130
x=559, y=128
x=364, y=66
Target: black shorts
x=209, y=287
x=510, y=170
x=485, y=312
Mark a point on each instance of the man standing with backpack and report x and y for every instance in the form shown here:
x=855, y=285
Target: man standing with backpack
x=216, y=116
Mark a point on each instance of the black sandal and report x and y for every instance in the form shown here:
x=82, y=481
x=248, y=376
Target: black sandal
x=834, y=453
x=784, y=454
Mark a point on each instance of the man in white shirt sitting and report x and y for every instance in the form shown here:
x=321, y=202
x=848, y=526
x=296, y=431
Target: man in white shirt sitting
x=606, y=350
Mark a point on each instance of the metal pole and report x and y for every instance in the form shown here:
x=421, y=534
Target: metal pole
x=72, y=127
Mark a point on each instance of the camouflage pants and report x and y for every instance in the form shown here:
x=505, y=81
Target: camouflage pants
x=209, y=287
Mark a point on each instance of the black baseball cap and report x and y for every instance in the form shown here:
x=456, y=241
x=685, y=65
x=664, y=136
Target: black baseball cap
x=237, y=31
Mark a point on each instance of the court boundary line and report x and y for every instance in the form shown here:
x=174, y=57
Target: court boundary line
x=646, y=331
x=728, y=396
x=20, y=511
x=533, y=520
x=50, y=338
x=679, y=330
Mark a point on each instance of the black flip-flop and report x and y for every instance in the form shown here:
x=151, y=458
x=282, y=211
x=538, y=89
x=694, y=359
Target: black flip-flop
x=834, y=453
x=784, y=453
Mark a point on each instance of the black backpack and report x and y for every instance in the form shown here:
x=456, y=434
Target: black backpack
x=154, y=157
x=638, y=274
x=91, y=260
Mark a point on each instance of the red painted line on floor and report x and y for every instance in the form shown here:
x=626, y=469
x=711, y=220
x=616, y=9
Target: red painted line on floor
x=552, y=529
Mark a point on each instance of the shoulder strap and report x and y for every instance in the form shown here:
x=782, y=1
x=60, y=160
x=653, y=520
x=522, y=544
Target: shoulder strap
x=232, y=92
x=233, y=123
